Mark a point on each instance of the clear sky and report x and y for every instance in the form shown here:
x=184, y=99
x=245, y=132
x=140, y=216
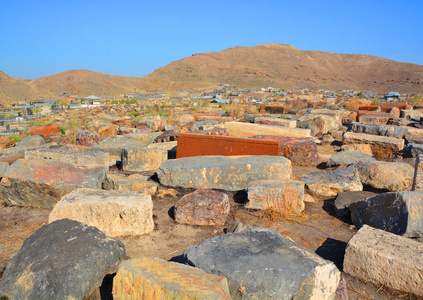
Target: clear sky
x=135, y=37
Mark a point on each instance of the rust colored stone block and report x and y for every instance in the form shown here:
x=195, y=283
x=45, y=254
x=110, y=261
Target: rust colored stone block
x=301, y=151
x=126, y=122
x=368, y=107
x=6, y=142
x=192, y=144
x=275, y=109
x=203, y=207
x=388, y=105
x=371, y=113
x=45, y=131
x=196, y=115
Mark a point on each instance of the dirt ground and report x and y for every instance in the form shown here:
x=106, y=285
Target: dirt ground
x=316, y=229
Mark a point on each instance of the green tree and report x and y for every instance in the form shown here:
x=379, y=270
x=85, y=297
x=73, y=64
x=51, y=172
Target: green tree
x=417, y=99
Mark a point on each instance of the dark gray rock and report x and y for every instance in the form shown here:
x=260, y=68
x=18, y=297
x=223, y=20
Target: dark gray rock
x=343, y=201
x=31, y=141
x=399, y=212
x=412, y=150
x=345, y=158
x=259, y=263
x=379, y=129
x=63, y=260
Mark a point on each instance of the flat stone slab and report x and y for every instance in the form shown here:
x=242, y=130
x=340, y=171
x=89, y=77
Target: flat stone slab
x=153, y=278
x=418, y=174
x=390, y=176
x=231, y=173
x=344, y=199
x=319, y=123
x=247, y=129
x=42, y=182
x=62, y=260
x=138, y=159
x=399, y=212
x=385, y=259
x=300, y=151
x=281, y=196
x=259, y=263
x=147, y=138
x=31, y=141
x=115, y=213
x=203, y=207
x=115, y=146
x=276, y=122
x=365, y=148
x=369, y=119
x=330, y=183
x=345, y=158
x=380, y=129
x=69, y=156
x=131, y=183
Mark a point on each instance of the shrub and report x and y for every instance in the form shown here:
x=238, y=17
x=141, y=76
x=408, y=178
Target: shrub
x=136, y=120
x=62, y=129
x=15, y=137
x=132, y=113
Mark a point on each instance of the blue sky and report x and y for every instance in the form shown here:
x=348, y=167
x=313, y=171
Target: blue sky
x=134, y=37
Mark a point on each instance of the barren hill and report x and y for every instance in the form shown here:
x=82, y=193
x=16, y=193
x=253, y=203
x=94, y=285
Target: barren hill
x=287, y=67
x=265, y=65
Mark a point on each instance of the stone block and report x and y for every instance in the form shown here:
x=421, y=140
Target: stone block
x=372, y=113
x=152, y=278
x=230, y=173
x=319, y=124
x=146, y=138
x=369, y=119
x=115, y=213
x=138, y=159
x=382, y=147
x=3, y=168
x=330, y=183
x=6, y=142
x=379, y=129
x=281, y=196
x=31, y=141
x=167, y=136
x=413, y=150
x=220, y=120
x=259, y=263
x=397, y=212
x=385, y=259
x=274, y=109
x=418, y=174
x=344, y=199
x=345, y=158
x=191, y=144
x=196, y=115
x=78, y=157
x=131, y=183
x=44, y=131
x=391, y=176
x=276, y=122
x=301, y=151
x=365, y=148
x=115, y=146
x=369, y=107
x=386, y=106
x=62, y=260
x=203, y=207
x=87, y=138
x=247, y=129
x=41, y=182
x=411, y=114
x=170, y=147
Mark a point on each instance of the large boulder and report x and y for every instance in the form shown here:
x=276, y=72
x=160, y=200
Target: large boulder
x=400, y=213
x=385, y=259
x=42, y=182
x=230, y=173
x=391, y=176
x=379, y=129
x=259, y=263
x=115, y=213
x=69, y=156
x=31, y=141
x=138, y=159
x=153, y=278
x=247, y=129
x=62, y=260
x=345, y=158
x=330, y=183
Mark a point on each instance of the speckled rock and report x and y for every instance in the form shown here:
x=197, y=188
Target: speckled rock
x=131, y=183
x=31, y=141
x=137, y=159
x=87, y=138
x=69, y=156
x=345, y=158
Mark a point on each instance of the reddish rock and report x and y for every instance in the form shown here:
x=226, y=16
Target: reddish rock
x=196, y=115
x=384, y=107
x=126, y=122
x=394, y=112
x=87, y=138
x=368, y=107
x=6, y=142
x=371, y=113
x=167, y=136
x=275, y=109
x=301, y=151
x=107, y=132
x=191, y=144
x=126, y=130
x=45, y=131
x=42, y=182
x=203, y=207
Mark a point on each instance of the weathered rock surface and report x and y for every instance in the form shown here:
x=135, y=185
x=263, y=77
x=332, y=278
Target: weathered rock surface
x=44, y=131
x=230, y=173
x=413, y=150
x=400, y=213
x=202, y=207
x=115, y=146
x=87, y=138
x=385, y=259
x=115, y=213
x=137, y=159
x=379, y=129
x=369, y=119
x=69, y=156
x=330, y=183
x=152, y=278
x=343, y=201
x=319, y=124
x=3, y=168
x=391, y=176
x=276, y=122
x=6, y=142
x=365, y=148
x=247, y=129
x=63, y=260
x=418, y=174
x=259, y=263
x=345, y=158
x=31, y=141
x=281, y=196
x=131, y=183
x=41, y=182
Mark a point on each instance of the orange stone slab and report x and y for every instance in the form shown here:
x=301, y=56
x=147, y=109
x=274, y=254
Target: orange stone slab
x=192, y=144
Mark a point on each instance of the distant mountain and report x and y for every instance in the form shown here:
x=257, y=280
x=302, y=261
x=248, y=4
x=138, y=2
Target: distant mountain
x=275, y=65
x=285, y=66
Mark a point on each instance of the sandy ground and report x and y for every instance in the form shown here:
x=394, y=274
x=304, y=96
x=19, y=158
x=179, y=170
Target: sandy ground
x=316, y=229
